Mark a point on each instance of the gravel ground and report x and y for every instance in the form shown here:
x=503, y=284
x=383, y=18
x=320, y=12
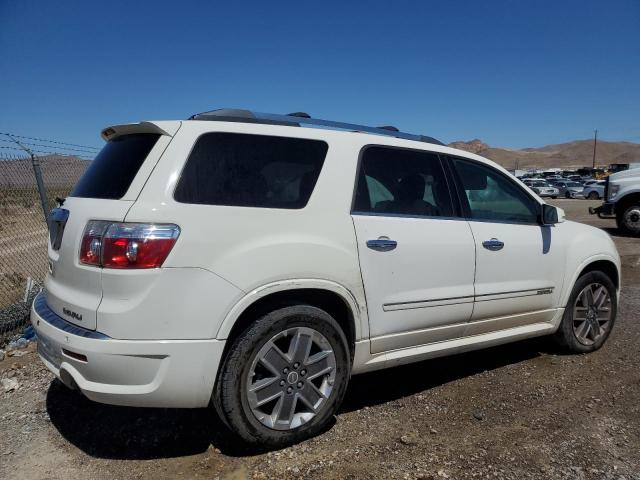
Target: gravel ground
x=518, y=411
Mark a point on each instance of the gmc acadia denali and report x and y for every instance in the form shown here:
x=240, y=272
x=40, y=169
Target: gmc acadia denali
x=254, y=262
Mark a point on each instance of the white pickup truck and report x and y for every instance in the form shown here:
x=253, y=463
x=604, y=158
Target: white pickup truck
x=622, y=200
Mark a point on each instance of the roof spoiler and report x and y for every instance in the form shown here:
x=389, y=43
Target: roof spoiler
x=116, y=131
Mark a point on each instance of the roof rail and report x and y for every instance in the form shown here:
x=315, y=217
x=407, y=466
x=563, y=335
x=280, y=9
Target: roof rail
x=299, y=119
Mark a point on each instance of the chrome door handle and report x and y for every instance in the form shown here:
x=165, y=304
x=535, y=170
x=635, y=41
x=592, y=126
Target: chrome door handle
x=382, y=244
x=494, y=244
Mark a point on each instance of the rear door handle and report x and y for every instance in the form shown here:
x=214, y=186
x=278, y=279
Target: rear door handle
x=494, y=244
x=382, y=244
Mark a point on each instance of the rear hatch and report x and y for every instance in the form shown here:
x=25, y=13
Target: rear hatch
x=106, y=191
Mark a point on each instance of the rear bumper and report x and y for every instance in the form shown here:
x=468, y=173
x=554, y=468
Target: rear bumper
x=606, y=210
x=141, y=373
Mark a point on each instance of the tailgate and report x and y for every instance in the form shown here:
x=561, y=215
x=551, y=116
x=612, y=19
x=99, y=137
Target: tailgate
x=74, y=290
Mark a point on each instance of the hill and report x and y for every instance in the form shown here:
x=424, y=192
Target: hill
x=572, y=154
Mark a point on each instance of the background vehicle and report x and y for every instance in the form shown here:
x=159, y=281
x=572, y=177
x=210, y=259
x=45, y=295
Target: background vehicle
x=242, y=260
x=622, y=200
x=542, y=187
x=594, y=190
x=567, y=188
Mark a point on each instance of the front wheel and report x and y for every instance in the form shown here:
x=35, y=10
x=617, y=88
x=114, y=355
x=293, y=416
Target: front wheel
x=629, y=220
x=593, y=196
x=284, y=377
x=567, y=195
x=589, y=315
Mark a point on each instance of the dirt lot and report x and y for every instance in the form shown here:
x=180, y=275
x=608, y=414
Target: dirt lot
x=518, y=411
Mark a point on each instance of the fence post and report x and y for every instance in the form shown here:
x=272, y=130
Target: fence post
x=35, y=162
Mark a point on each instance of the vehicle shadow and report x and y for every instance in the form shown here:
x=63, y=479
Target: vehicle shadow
x=616, y=232
x=395, y=383
x=127, y=433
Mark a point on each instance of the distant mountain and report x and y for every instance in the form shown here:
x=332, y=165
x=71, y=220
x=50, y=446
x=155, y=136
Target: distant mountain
x=572, y=154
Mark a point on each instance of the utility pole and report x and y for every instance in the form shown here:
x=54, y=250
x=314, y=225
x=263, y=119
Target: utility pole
x=595, y=143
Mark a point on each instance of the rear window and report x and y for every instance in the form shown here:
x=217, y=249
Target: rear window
x=251, y=171
x=112, y=171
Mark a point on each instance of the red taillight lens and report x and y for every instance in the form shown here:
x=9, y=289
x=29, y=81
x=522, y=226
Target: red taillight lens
x=135, y=245
x=91, y=245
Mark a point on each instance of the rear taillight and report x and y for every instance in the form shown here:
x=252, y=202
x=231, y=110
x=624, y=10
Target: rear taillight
x=127, y=245
x=91, y=245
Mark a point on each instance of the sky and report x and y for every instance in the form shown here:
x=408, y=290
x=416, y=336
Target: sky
x=512, y=73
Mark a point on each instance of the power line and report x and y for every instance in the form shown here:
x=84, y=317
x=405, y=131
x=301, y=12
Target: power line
x=50, y=141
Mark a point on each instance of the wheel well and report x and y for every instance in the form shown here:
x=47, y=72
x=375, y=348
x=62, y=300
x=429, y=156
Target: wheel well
x=606, y=267
x=329, y=301
x=628, y=200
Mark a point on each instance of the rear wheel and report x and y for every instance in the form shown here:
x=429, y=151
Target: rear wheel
x=284, y=377
x=593, y=195
x=589, y=315
x=567, y=194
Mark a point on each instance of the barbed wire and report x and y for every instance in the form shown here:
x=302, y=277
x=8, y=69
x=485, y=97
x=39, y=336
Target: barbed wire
x=46, y=152
x=31, y=144
x=50, y=141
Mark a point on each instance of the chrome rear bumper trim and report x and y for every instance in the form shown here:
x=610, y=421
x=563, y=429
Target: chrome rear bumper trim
x=47, y=315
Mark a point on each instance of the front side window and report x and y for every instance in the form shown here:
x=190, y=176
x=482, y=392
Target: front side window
x=492, y=196
x=401, y=182
x=251, y=171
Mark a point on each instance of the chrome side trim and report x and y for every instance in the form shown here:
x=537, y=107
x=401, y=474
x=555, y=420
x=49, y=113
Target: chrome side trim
x=436, y=302
x=47, y=315
x=485, y=297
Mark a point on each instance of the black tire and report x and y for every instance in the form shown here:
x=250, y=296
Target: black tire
x=565, y=336
x=624, y=225
x=230, y=394
x=567, y=195
x=554, y=197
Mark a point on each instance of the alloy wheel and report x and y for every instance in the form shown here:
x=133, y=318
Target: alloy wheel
x=291, y=378
x=591, y=313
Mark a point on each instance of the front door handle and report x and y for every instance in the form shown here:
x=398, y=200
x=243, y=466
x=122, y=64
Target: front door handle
x=494, y=244
x=382, y=244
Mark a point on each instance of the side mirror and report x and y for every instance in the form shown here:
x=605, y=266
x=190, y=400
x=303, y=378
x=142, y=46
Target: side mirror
x=551, y=215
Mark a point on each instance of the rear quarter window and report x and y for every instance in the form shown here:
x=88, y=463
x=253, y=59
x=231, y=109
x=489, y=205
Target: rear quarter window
x=246, y=170
x=110, y=174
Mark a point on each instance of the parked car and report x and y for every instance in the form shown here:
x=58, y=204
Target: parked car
x=550, y=178
x=568, y=188
x=542, y=188
x=622, y=200
x=242, y=261
x=594, y=190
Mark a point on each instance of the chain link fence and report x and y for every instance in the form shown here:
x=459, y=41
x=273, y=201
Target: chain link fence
x=23, y=229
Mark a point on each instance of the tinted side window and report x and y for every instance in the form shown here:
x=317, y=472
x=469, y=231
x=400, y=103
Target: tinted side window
x=251, y=171
x=402, y=182
x=112, y=171
x=492, y=196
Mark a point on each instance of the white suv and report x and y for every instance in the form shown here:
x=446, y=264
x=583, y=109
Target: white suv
x=241, y=260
